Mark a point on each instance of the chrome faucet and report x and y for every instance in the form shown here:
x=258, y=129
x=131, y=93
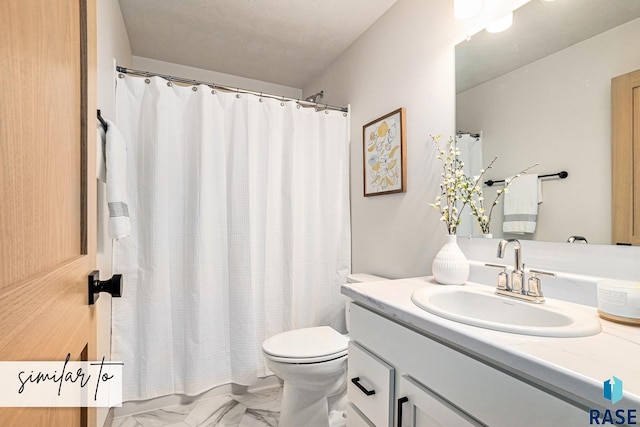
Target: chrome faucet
x=517, y=275
x=515, y=286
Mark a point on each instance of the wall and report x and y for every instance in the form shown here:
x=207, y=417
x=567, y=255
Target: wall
x=556, y=112
x=113, y=44
x=177, y=70
x=405, y=59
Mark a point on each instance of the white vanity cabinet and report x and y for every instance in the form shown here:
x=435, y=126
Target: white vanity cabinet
x=428, y=383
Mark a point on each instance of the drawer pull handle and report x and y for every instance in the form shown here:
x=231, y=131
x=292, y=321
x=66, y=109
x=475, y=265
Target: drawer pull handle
x=401, y=401
x=356, y=381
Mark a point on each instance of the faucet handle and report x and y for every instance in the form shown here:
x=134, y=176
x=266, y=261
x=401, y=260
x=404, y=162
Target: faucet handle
x=503, y=279
x=542, y=273
x=534, y=285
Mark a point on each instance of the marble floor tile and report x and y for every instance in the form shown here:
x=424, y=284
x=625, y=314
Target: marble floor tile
x=227, y=416
x=159, y=418
x=259, y=418
x=272, y=406
x=258, y=409
x=252, y=399
x=125, y=422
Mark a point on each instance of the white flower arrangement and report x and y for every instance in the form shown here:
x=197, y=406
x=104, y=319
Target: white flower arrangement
x=458, y=190
x=454, y=187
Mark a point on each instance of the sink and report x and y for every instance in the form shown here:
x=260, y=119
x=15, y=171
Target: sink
x=481, y=307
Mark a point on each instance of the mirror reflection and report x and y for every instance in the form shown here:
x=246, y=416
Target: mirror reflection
x=540, y=92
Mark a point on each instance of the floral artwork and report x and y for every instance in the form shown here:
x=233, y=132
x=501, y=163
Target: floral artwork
x=385, y=155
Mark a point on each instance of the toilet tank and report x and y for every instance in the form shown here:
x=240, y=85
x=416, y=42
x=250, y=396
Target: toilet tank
x=357, y=278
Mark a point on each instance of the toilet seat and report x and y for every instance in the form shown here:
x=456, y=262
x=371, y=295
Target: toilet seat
x=307, y=345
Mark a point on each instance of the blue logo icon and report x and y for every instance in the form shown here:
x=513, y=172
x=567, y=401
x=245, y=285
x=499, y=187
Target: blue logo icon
x=612, y=389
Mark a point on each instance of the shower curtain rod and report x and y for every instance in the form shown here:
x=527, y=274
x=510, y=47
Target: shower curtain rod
x=228, y=88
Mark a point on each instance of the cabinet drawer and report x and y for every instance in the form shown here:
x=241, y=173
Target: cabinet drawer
x=370, y=385
x=355, y=418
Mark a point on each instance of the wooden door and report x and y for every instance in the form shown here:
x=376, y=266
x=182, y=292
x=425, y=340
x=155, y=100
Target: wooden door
x=47, y=190
x=625, y=156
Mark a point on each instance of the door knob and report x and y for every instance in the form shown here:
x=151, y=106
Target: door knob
x=112, y=286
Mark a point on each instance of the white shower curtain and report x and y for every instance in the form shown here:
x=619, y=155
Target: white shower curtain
x=471, y=155
x=239, y=230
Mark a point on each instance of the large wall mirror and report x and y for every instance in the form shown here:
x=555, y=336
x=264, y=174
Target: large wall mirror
x=540, y=92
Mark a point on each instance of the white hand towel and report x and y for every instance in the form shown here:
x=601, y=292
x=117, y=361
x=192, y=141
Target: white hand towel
x=521, y=205
x=116, y=158
x=101, y=168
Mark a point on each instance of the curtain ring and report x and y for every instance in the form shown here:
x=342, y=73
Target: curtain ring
x=120, y=76
x=169, y=82
x=282, y=102
x=238, y=93
x=260, y=99
x=298, y=106
x=147, y=81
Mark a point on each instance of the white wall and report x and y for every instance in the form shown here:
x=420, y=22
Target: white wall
x=177, y=70
x=405, y=59
x=113, y=43
x=557, y=112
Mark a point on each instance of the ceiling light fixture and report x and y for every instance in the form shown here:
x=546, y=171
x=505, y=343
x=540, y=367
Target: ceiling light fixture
x=501, y=24
x=463, y=9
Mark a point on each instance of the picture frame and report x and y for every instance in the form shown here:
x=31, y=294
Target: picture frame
x=385, y=154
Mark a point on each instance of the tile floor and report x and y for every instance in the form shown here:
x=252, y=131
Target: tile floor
x=257, y=409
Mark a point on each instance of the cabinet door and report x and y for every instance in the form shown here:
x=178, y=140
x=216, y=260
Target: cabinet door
x=370, y=386
x=355, y=418
x=420, y=407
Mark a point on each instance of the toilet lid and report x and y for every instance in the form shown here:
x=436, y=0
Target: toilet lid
x=321, y=342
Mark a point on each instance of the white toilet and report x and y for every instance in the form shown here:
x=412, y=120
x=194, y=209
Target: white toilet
x=312, y=362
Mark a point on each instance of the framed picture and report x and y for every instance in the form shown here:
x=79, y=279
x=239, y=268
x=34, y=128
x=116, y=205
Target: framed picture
x=385, y=155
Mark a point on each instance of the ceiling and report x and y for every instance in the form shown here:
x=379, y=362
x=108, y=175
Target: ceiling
x=288, y=42
x=539, y=29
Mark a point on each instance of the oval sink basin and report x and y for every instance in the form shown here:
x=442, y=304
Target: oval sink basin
x=483, y=308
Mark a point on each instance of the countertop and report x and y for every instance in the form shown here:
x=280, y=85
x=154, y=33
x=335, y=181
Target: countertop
x=574, y=367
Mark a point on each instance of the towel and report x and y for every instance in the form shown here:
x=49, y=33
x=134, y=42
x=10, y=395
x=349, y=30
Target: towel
x=101, y=167
x=116, y=164
x=521, y=205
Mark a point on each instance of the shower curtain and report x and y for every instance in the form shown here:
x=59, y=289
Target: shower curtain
x=240, y=230
x=471, y=155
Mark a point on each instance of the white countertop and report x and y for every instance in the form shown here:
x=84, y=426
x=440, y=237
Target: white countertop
x=575, y=367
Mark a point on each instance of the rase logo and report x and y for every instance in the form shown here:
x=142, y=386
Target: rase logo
x=612, y=391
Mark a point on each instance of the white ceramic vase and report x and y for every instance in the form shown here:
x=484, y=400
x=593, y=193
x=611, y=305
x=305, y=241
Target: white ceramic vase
x=450, y=266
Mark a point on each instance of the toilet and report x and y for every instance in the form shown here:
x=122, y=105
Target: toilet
x=312, y=362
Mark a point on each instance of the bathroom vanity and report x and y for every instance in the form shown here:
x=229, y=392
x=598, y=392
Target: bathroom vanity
x=408, y=367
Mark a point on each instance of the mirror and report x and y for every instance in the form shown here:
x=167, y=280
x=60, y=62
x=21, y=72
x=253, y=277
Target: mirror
x=539, y=92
